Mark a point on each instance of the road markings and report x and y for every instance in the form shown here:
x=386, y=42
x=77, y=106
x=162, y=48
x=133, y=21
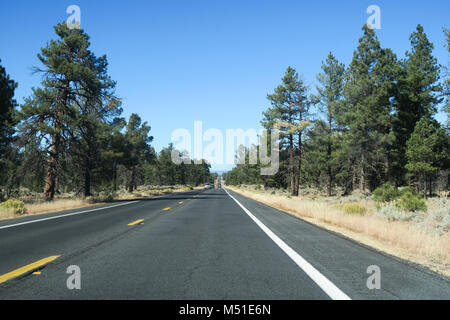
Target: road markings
x=37, y=273
x=181, y=202
x=136, y=222
x=26, y=269
x=326, y=285
x=167, y=209
x=66, y=215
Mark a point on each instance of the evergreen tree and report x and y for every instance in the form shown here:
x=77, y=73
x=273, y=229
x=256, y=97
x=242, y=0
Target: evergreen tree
x=417, y=94
x=7, y=105
x=71, y=73
x=138, y=149
x=428, y=150
x=289, y=112
x=328, y=98
x=7, y=122
x=367, y=110
x=446, y=86
x=317, y=156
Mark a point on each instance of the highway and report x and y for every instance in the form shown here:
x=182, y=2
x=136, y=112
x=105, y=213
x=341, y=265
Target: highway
x=201, y=244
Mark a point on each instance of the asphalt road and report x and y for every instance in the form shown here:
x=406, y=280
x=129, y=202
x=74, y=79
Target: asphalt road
x=203, y=244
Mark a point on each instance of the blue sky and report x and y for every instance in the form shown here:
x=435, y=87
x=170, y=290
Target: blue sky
x=180, y=61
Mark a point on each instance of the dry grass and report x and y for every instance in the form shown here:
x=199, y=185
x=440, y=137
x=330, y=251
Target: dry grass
x=35, y=206
x=45, y=207
x=402, y=239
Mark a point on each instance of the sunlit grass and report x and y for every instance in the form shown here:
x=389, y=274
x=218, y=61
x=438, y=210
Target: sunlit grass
x=36, y=205
x=406, y=239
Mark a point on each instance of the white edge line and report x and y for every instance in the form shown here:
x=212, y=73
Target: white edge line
x=66, y=215
x=326, y=285
x=78, y=212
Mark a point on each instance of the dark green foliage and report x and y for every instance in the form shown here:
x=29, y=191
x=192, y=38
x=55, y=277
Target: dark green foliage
x=367, y=108
x=410, y=202
x=376, y=129
x=289, y=111
x=367, y=137
x=417, y=94
x=7, y=105
x=428, y=151
x=329, y=99
x=386, y=193
x=8, y=153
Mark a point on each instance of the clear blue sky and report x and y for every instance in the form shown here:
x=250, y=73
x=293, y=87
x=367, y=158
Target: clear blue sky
x=215, y=61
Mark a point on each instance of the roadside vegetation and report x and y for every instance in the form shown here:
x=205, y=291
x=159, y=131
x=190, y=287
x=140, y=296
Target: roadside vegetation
x=364, y=155
x=421, y=236
x=32, y=203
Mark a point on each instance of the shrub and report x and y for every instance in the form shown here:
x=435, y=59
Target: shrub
x=352, y=208
x=411, y=202
x=439, y=212
x=16, y=205
x=409, y=189
x=386, y=193
x=393, y=213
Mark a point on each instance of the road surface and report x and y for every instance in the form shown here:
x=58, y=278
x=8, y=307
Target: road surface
x=202, y=244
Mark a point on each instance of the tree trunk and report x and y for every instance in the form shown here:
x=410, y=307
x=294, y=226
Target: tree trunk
x=115, y=176
x=132, y=182
x=299, y=165
x=362, y=181
x=330, y=178
x=291, y=164
x=387, y=165
x=50, y=182
x=430, y=186
x=60, y=105
x=87, y=180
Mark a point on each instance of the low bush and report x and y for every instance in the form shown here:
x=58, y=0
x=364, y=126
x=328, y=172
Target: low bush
x=410, y=202
x=386, y=193
x=352, y=208
x=393, y=213
x=15, y=205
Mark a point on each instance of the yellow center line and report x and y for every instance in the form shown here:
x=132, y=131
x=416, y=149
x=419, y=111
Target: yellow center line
x=136, y=222
x=28, y=268
x=181, y=202
x=167, y=209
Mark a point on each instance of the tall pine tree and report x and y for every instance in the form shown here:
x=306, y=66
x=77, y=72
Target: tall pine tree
x=367, y=109
x=417, y=94
x=329, y=98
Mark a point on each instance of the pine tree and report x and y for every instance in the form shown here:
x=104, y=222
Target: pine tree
x=417, y=94
x=428, y=150
x=317, y=156
x=138, y=149
x=366, y=113
x=329, y=98
x=446, y=92
x=7, y=105
x=71, y=73
x=289, y=112
x=7, y=122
